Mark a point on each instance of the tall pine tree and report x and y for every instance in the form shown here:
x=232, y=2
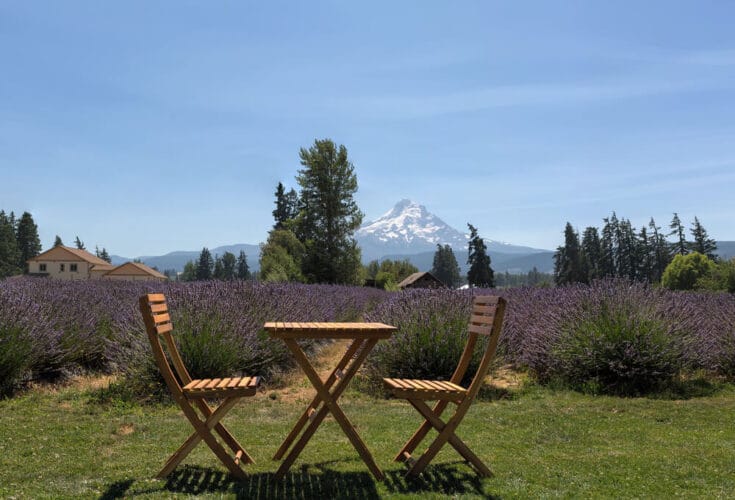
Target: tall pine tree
x=592, y=253
x=480, y=273
x=445, y=267
x=679, y=246
x=26, y=235
x=9, y=252
x=287, y=207
x=205, y=267
x=659, y=247
x=702, y=242
x=329, y=214
x=567, y=259
x=243, y=270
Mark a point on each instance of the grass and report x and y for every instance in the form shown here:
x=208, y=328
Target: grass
x=539, y=443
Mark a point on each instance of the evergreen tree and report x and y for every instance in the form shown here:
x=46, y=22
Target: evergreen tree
x=592, y=253
x=607, y=247
x=9, y=252
x=58, y=242
x=445, y=266
x=229, y=266
x=105, y=256
x=219, y=269
x=627, y=255
x=659, y=249
x=645, y=256
x=329, y=214
x=286, y=206
x=680, y=246
x=243, y=270
x=205, y=266
x=26, y=236
x=480, y=273
x=79, y=244
x=567, y=259
x=702, y=242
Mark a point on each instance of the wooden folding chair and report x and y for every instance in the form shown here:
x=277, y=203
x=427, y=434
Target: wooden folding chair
x=486, y=319
x=191, y=394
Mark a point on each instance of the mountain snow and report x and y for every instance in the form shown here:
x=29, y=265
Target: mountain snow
x=408, y=222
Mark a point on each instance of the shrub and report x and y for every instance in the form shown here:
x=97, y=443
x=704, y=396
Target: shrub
x=721, y=278
x=615, y=346
x=432, y=333
x=684, y=271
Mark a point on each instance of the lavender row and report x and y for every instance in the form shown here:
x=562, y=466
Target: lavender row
x=626, y=336
x=48, y=328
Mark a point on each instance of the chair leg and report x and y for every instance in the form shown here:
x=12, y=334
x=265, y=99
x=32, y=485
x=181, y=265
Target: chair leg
x=452, y=438
x=228, y=438
x=204, y=432
x=420, y=433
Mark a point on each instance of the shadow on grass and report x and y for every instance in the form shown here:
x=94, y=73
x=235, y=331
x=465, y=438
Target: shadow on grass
x=446, y=479
x=307, y=483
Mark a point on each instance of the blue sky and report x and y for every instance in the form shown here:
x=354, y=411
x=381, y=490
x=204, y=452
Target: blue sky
x=147, y=127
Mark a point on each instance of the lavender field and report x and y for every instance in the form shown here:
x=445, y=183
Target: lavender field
x=617, y=336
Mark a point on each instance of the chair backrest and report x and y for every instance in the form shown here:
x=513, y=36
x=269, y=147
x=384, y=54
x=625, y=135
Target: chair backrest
x=158, y=325
x=486, y=319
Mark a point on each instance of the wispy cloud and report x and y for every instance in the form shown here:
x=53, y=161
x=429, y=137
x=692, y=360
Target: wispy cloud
x=412, y=106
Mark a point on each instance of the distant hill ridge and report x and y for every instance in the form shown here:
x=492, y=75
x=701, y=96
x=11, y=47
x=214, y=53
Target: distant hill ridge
x=406, y=231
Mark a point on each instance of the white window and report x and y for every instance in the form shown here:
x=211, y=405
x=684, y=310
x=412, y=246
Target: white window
x=42, y=268
x=73, y=268
x=61, y=268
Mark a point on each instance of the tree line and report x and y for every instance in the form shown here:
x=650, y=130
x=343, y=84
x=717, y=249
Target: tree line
x=18, y=242
x=227, y=267
x=620, y=250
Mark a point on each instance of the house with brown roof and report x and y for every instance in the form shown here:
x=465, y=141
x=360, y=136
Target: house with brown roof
x=68, y=263
x=421, y=280
x=134, y=271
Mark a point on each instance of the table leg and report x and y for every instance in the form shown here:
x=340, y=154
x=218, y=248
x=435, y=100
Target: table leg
x=330, y=404
x=315, y=402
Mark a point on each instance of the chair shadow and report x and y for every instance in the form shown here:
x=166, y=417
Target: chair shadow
x=307, y=483
x=445, y=478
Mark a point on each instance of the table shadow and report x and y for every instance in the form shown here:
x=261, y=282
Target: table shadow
x=317, y=481
x=305, y=483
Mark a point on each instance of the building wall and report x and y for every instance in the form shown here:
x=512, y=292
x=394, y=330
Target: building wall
x=53, y=269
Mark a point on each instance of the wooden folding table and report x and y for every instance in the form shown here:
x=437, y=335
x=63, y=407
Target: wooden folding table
x=364, y=336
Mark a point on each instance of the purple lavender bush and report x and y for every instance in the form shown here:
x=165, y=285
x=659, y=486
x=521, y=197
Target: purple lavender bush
x=432, y=333
x=28, y=343
x=58, y=327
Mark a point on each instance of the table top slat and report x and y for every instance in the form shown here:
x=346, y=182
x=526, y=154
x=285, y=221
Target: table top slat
x=333, y=330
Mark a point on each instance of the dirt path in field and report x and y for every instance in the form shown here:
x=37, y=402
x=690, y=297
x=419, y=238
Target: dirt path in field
x=297, y=386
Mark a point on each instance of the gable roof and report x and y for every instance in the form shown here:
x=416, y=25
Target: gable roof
x=134, y=269
x=61, y=252
x=413, y=278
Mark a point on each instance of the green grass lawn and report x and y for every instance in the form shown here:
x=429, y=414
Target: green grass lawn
x=541, y=443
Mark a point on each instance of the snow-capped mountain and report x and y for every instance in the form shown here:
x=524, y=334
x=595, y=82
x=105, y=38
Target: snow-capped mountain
x=409, y=228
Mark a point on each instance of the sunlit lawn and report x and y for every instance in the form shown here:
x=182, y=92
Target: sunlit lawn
x=539, y=444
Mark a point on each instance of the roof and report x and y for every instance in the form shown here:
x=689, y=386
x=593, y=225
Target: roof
x=417, y=276
x=134, y=269
x=100, y=267
x=59, y=253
